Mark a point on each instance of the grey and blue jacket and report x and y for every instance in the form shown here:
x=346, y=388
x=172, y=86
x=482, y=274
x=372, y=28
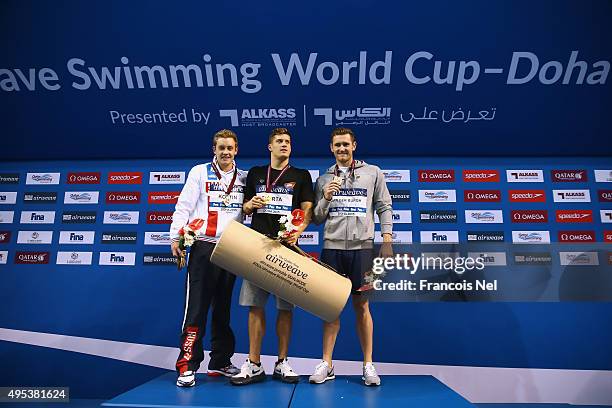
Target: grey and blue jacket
x=353, y=232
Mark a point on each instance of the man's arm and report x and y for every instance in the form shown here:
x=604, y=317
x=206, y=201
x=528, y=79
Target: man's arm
x=383, y=206
x=306, y=206
x=184, y=206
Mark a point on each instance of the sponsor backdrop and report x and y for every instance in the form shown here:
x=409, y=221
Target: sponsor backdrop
x=85, y=253
x=473, y=77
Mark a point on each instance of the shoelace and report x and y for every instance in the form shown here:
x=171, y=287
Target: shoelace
x=321, y=368
x=370, y=370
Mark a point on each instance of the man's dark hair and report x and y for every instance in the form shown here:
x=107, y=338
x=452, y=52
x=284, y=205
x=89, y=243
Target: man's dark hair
x=342, y=131
x=276, y=132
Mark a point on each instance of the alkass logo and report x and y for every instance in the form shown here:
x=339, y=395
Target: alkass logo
x=168, y=177
x=125, y=177
x=480, y=176
x=122, y=197
x=606, y=216
x=436, y=175
x=31, y=257
x=524, y=216
x=482, y=195
x=574, y=215
x=525, y=176
x=569, y=175
x=607, y=236
x=561, y=196
x=605, y=195
x=576, y=236
x=84, y=178
x=164, y=197
x=5, y=237
x=527, y=196
x=159, y=217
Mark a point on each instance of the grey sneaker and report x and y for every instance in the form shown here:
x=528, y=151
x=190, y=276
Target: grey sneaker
x=322, y=373
x=229, y=371
x=369, y=375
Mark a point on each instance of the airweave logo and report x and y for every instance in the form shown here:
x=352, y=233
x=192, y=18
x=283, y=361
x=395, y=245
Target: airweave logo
x=157, y=238
x=482, y=195
x=167, y=177
x=8, y=197
x=117, y=258
x=121, y=217
x=527, y=196
x=119, y=237
x=532, y=258
x=399, y=217
x=79, y=217
x=34, y=237
x=480, y=176
x=606, y=216
x=125, y=177
x=574, y=216
x=437, y=196
x=164, y=197
x=83, y=178
x=575, y=196
x=77, y=237
x=484, y=216
x=579, y=258
x=525, y=176
x=605, y=196
x=257, y=117
x=81, y=197
x=309, y=238
x=485, y=236
x=490, y=258
x=122, y=197
x=399, y=237
x=397, y=176
x=439, y=237
x=576, y=236
x=31, y=257
x=5, y=237
x=37, y=217
x=529, y=216
x=158, y=259
x=603, y=176
x=439, y=216
x=9, y=178
x=559, y=176
x=6, y=217
x=73, y=258
x=531, y=237
x=39, y=198
x=436, y=176
x=159, y=217
x=43, y=178
x=400, y=195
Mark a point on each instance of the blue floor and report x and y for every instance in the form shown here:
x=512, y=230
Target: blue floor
x=345, y=391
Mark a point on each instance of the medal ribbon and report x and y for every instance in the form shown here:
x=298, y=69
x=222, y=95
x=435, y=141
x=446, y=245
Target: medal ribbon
x=351, y=171
x=270, y=186
x=218, y=174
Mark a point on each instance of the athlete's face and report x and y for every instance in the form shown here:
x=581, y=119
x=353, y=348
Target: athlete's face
x=280, y=146
x=225, y=150
x=343, y=147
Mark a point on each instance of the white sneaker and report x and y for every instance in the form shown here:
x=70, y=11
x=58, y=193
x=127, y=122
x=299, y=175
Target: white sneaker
x=186, y=379
x=284, y=372
x=322, y=373
x=369, y=375
x=249, y=373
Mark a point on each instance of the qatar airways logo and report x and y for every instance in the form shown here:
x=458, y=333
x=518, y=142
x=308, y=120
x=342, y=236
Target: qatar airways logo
x=480, y=176
x=559, y=176
x=574, y=216
x=529, y=216
x=133, y=177
x=122, y=197
x=30, y=257
x=576, y=236
x=523, y=196
x=482, y=195
x=84, y=178
x=436, y=176
x=525, y=176
x=605, y=195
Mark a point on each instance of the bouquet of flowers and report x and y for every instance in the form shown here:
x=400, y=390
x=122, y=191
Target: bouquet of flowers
x=187, y=236
x=290, y=223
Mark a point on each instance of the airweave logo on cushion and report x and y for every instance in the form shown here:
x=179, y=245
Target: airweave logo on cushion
x=119, y=237
x=125, y=177
x=39, y=198
x=117, y=258
x=436, y=176
x=123, y=197
x=525, y=176
x=480, y=176
x=83, y=178
x=559, y=176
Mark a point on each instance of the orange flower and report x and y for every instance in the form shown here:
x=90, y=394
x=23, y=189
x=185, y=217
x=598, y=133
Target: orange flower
x=298, y=217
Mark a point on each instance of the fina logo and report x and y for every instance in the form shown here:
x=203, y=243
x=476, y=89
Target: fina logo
x=273, y=117
x=358, y=116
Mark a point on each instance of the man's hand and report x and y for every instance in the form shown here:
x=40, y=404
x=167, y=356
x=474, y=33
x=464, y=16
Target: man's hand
x=386, y=249
x=330, y=189
x=176, y=251
x=293, y=238
x=253, y=204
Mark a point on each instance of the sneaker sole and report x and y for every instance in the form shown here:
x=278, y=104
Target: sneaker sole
x=333, y=377
x=217, y=373
x=185, y=385
x=255, y=379
x=288, y=380
x=370, y=384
